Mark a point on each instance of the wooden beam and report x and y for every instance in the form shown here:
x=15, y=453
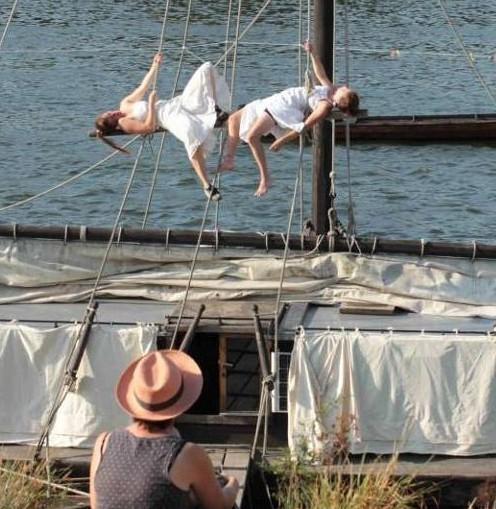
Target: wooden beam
x=323, y=133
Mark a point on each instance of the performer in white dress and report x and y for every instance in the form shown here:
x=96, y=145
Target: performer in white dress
x=283, y=115
x=190, y=117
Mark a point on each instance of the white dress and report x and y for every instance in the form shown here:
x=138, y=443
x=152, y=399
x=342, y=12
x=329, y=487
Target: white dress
x=287, y=108
x=191, y=116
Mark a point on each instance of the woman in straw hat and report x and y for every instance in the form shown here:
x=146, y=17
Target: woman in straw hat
x=147, y=465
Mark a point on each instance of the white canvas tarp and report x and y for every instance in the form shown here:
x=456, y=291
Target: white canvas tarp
x=52, y=271
x=32, y=361
x=404, y=392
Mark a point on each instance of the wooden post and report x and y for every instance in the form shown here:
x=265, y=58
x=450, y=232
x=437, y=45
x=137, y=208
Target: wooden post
x=323, y=147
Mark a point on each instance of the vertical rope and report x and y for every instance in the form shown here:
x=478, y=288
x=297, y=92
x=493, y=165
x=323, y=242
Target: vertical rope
x=9, y=19
x=217, y=178
x=351, y=213
x=162, y=137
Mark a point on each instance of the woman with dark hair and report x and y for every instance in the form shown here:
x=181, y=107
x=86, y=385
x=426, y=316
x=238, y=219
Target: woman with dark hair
x=191, y=117
x=283, y=115
x=148, y=465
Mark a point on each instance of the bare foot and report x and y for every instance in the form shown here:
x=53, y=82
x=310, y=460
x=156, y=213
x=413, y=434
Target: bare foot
x=263, y=188
x=227, y=164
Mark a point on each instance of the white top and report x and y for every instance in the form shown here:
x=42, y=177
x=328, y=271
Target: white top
x=191, y=116
x=287, y=108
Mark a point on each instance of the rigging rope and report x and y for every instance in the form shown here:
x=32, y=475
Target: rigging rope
x=68, y=181
x=217, y=178
x=245, y=31
x=9, y=19
x=467, y=54
x=299, y=176
x=351, y=213
x=173, y=93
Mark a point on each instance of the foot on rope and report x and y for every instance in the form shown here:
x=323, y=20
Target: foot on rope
x=212, y=192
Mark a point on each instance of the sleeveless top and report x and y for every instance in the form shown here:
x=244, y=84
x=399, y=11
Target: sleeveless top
x=287, y=108
x=134, y=473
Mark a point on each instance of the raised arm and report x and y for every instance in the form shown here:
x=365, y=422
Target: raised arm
x=318, y=67
x=140, y=91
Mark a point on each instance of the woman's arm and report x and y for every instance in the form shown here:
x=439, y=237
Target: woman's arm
x=318, y=67
x=319, y=113
x=194, y=463
x=133, y=126
x=95, y=461
x=139, y=92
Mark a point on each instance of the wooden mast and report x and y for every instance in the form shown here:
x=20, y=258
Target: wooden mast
x=323, y=148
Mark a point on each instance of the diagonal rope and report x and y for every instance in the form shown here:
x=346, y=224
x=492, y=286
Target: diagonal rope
x=468, y=56
x=67, y=381
x=68, y=181
x=9, y=19
x=244, y=32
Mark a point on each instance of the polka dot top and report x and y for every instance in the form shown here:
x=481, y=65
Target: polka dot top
x=134, y=473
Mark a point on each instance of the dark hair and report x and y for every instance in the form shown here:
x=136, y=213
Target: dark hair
x=353, y=103
x=106, y=126
x=153, y=425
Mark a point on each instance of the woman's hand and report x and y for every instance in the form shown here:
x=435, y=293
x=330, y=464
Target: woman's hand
x=277, y=145
x=157, y=59
x=308, y=46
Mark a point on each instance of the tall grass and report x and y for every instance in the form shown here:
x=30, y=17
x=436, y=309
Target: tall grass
x=24, y=486
x=304, y=487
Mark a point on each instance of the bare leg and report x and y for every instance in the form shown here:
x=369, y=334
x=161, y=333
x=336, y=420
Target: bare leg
x=232, y=141
x=261, y=126
x=198, y=163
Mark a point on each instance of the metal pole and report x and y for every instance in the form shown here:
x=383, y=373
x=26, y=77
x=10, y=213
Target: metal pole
x=323, y=148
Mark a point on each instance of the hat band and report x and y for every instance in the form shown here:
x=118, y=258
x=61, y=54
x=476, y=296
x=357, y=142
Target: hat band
x=156, y=407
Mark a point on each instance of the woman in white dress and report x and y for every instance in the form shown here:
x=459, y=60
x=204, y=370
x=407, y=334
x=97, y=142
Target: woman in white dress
x=283, y=115
x=190, y=117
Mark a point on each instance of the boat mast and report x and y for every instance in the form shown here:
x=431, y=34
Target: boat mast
x=323, y=147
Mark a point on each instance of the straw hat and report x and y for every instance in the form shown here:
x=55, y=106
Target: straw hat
x=160, y=385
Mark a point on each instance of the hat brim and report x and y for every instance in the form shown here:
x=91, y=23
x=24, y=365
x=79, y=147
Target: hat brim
x=192, y=387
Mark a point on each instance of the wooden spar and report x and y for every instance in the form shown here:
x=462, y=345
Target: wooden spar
x=323, y=133
x=255, y=240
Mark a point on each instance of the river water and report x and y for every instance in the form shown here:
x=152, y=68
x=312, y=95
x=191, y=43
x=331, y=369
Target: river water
x=63, y=61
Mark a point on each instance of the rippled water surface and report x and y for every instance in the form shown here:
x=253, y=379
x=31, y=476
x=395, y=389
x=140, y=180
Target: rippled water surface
x=63, y=61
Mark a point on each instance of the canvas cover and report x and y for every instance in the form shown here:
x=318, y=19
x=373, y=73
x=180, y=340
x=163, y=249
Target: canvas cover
x=393, y=392
x=32, y=361
x=53, y=271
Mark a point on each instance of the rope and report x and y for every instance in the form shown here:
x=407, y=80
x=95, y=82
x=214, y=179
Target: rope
x=245, y=31
x=467, y=54
x=11, y=15
x=66, y=384
x=286, y=251
x=192, y=269
x=68, y=181
x=351, y=213
x=173, y=93
x=217, y=179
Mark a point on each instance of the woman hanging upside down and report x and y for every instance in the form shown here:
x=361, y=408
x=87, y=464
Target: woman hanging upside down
x=190, y=117
x=282, y=112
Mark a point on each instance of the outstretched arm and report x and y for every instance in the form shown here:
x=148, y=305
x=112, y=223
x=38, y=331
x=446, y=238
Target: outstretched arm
x=318, y=67
x=320, y=113
x=140, y=91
